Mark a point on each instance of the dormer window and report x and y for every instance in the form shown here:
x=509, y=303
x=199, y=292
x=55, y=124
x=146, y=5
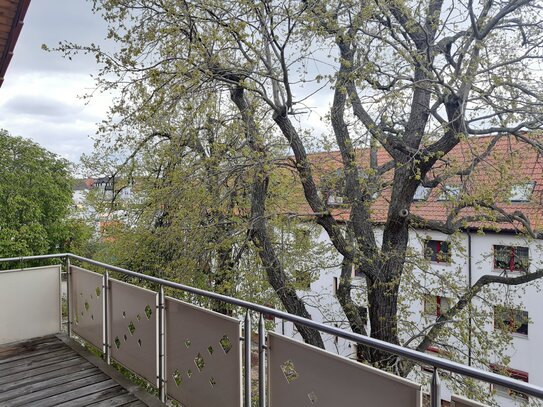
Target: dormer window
x=522, y=192
x=422, y=193
x=334, y=199
x=362, y=173
x=449, y=192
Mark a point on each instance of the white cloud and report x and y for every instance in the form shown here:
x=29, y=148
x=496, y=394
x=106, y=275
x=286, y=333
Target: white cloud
x=41, y=95
x=47, y=108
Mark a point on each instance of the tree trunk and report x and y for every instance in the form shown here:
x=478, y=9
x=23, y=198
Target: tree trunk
x=259, y=233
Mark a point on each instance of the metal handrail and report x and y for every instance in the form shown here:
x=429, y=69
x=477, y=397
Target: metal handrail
x=422, y=358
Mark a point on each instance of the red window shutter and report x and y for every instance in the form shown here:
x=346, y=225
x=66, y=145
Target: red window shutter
x=512, y=259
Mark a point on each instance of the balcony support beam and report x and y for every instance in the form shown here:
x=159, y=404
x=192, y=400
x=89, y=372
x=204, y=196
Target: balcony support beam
x=161, y=354
x=435, y=391
x=247, y=367
x=261, y=362
x=68, y=297
x=106, y=347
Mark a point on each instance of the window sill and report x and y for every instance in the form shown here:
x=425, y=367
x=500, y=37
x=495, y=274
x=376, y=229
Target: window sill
x=511, y=396
x=520, y=336
x=516, y=334
x=509, y=271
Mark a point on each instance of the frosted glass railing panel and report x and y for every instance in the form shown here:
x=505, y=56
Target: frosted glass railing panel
x=87, y=305
x=31, y=303
x=203, y=353
x=133, y=328
x=303, y=375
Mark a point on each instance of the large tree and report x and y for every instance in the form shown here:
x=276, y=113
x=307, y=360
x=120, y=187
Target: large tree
x=414, y=78
x=188, y=217
x=35, y=200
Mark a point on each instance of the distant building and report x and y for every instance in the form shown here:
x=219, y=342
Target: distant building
x=480, y=248
x=99, y=201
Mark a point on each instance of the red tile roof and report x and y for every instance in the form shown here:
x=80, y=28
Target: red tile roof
x=511, y=162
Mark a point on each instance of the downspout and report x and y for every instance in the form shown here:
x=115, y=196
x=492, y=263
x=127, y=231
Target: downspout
x=469, y=305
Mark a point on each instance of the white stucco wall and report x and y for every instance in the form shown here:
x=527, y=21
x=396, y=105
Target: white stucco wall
x=525, y=351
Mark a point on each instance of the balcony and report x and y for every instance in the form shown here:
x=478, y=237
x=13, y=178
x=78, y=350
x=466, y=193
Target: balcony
x=179, y=351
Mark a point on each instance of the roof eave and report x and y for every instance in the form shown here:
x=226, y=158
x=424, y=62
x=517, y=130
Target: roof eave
x=16, y=27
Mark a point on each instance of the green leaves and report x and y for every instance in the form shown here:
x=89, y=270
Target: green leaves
x=35, y=198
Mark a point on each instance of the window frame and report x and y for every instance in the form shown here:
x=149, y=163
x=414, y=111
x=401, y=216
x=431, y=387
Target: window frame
x=439, y=302
x=421, y=194
x=438, y=255
x=515, y=316
x=434, y=351
x=335, y=198
x=269, y=317
x=514, y=374
x=355, y=274
x=448, y=192
x=512, y=264
x=522, y=192
x=303, y=279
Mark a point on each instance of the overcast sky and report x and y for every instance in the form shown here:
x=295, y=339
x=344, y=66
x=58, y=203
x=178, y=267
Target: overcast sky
x=40, y=95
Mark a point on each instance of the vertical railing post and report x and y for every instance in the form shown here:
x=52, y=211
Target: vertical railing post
x=261, y=362
x=161, y=347
x=435, y=392
x=68, y=296
x=106, y=345
x=247, y=339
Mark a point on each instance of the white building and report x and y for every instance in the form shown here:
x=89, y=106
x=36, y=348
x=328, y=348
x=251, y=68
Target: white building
x=102, y=202
x=478, y=249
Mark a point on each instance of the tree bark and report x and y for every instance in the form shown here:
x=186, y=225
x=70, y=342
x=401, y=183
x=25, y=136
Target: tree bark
x=258, y=230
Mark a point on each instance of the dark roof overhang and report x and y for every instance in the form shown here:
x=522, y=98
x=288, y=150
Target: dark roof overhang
x=12, y=13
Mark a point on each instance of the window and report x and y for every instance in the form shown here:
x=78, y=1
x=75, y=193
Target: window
x=434, y=351
x=437, y=250
x=422, y=193
x=512, y=320
x=362, y=173
x=513, y=373
x=512, y=258
x=269, y=317
x=522, y=192
x=334, y=199
x=303, y=279
x=449, y=191
x=357, y=272
x=333, y=188
x=436, y=305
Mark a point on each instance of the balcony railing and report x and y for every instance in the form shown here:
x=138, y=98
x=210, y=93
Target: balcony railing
x=202, y=358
